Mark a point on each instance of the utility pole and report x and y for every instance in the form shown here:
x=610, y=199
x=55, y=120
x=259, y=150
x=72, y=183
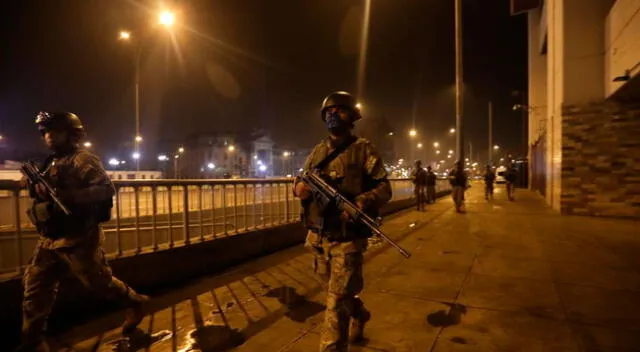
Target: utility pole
x=490, y=159
x=459, y=98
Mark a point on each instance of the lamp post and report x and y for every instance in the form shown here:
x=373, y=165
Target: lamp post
x=166, y=19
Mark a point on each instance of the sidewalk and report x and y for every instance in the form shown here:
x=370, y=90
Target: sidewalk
x=505, y=276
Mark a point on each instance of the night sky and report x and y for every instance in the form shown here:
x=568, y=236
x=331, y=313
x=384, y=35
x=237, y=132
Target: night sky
x=231, y=65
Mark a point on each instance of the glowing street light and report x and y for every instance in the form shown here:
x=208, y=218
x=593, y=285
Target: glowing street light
x=286, y=154
x=390, y=133
x=162, y=157
x=138, y=138
x=124, y=35
x=211, y=166
x=450, y=151
x=263, y=168
x=114, y=162
x=496, y=147
x=358, y=106
x=437, y=152
x=436, y=144
x=135, y=155
x=181, y=150
x=231, y=148
x=86, y=144
x=413, y=133
x=167, y=18
x=419, y=145
x=452, y=131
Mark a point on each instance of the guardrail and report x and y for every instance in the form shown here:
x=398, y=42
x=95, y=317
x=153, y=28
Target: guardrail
x=153, y=215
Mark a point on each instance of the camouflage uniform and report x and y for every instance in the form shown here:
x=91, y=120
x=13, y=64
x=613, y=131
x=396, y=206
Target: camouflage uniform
x=70, y=244
x=358, y=173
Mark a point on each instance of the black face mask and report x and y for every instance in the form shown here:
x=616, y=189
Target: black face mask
x=337, y=125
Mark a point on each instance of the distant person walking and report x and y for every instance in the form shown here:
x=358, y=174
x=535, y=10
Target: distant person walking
x=431, y=186
x=489, y=180
x=458, y=180
x=511, y=177
x=419, y=178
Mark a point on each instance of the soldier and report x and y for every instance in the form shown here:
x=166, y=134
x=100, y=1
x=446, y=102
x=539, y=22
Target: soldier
x=458, y=180
x=419, y=178
x=510, y=177
x=431, y=185
x=70, y=243
x=357, y=172
x=489, y=179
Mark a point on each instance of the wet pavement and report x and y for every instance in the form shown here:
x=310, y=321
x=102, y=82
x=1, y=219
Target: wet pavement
x=505, y=276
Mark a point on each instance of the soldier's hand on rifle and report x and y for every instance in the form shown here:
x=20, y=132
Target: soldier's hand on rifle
x=302, y=191
x=359, y=203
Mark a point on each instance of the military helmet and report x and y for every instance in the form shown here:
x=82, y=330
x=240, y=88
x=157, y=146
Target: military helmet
x=344, y=100
x=59, y=121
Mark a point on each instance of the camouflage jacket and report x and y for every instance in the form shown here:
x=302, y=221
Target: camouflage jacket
x=357, y=173
x=81, y=184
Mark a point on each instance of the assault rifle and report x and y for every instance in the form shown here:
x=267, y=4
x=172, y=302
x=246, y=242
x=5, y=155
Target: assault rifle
x=34, y=177
x=324, y=194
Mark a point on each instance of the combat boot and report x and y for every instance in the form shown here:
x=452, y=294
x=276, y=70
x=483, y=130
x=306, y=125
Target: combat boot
x=135, y=313
x=357, y=326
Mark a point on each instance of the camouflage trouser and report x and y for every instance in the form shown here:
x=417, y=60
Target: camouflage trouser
x=42, y=276
x=343, y=276
x=488, y=190
x=457, y=193
x=431, y=194
x=420, y=198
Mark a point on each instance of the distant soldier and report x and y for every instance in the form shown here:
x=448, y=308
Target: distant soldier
x=70, y=243
x=431, y=185
x=353, y=166
x=458, y=181
x=510, y=178
x=489, y=180
x=419, y=178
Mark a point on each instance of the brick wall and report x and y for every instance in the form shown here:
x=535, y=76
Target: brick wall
x=601, y=160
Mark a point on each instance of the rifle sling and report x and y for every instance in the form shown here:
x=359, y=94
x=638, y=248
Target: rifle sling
x=334, y=153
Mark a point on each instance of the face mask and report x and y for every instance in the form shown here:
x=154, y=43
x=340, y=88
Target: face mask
x=335, y=124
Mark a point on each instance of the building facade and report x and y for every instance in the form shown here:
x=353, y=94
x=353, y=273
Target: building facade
x=584, y=104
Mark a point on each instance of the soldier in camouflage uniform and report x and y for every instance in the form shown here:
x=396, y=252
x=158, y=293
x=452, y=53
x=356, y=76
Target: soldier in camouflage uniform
x=70, y=243
x=337, y=242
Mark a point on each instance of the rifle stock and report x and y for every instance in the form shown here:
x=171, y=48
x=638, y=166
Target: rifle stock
x=322, y=189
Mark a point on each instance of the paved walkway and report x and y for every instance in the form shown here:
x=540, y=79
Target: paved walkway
x=505, y=276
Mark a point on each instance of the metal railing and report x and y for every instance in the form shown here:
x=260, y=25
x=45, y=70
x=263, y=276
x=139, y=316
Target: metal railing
x=153, y=215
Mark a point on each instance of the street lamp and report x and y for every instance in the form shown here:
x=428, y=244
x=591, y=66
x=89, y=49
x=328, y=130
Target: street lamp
x=86, y=144
x=181, y=150
x=390, y=133
x=125, y=35
x=135, y=155
x=413, y=133
x=167, y=18
x=436, y=145
x=450, y=151
x=211, y=166
x=419, y=145
x=452, y=130
x=437, y=152
x=496, y=147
